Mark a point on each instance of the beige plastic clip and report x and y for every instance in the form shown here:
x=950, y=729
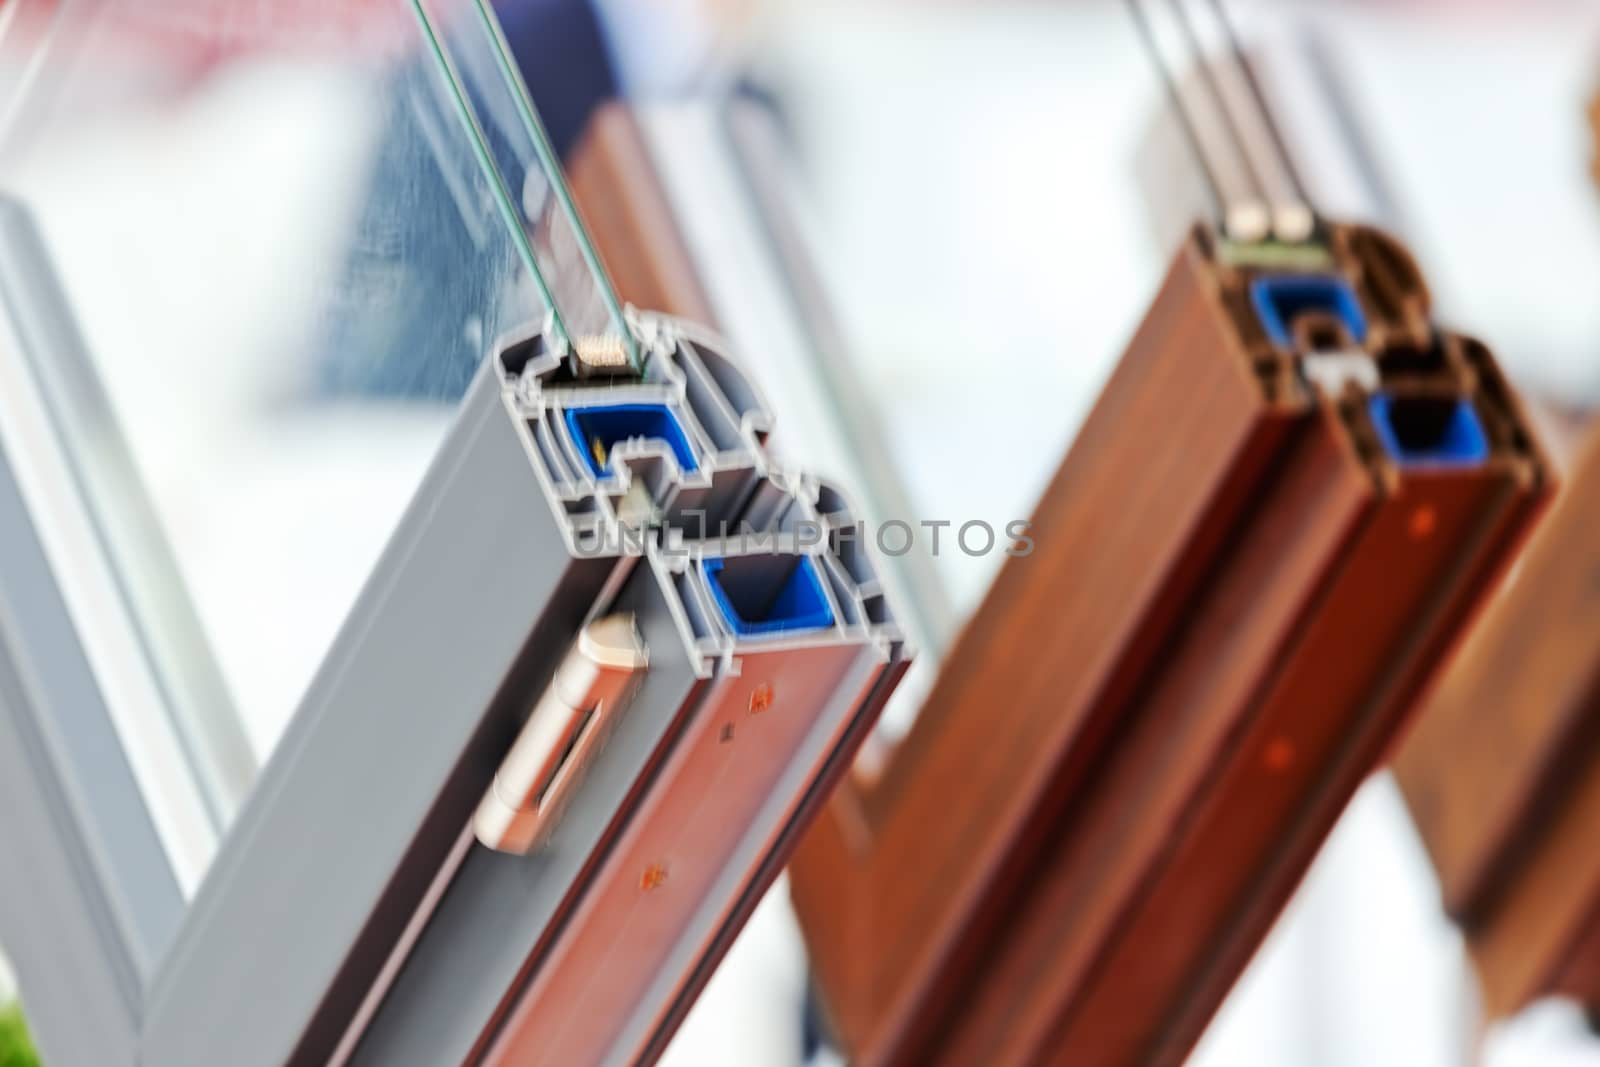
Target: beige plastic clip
x=591, y=688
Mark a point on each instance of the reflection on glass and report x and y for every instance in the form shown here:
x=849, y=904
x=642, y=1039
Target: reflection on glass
x=283, y=260
x=507, y=129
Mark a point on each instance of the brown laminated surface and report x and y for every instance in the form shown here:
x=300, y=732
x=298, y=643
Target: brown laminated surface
x=1502, y=771
x=1147, y=729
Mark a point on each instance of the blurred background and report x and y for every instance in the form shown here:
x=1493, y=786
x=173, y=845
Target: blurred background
x=265, y=240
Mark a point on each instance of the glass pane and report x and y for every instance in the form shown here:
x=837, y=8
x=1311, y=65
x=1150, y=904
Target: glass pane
x=272, y=260
x=476, y=54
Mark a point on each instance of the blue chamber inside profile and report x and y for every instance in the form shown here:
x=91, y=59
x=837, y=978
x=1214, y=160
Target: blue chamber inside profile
x=1279, y=299
x=598, y=430
x=1429, y=431
x=768, y=594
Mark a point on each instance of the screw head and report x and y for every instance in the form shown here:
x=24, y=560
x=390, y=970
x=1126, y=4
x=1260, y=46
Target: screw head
x=1278, y=755
x=1422, y=522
